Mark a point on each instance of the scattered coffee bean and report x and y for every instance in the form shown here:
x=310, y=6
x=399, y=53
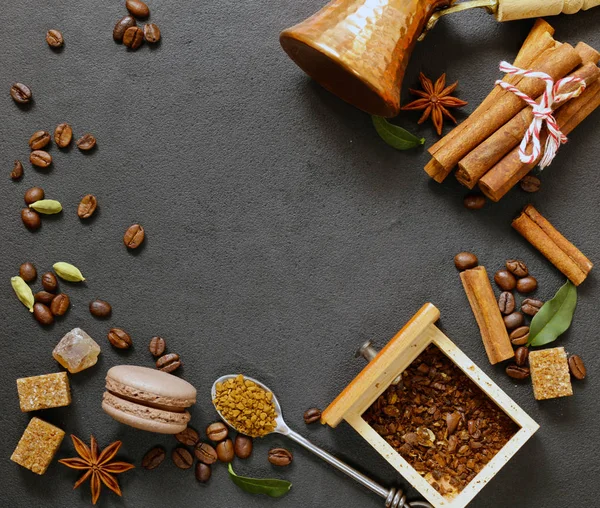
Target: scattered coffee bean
x=40, y=158
x=60, y=304
x=519, y=336
x=31, y=219
x=119, y=338
x=527, y=284
x=50, y=282
x=17, y=171
x=513, y=320
x=517, y=268
x=34, y=194
x=21, y=93
x=138, y=8
x=151, y=33
x=100, y=309
x=452, y=421
x=530, y=183
x=153, y=458
x=188, y=437
x=133, y=37
x=205, y=453
x=54, y=38
x=86, y=142
x=202, y=472
x=505, y=280
x=39, y=140
x=506, y=303
x=87, y=206
x=474, y=201
x=521, y=356
x=531, y=306
x=217, y=431
x=225, y=451
x=312, y=415
x=465, y=261
x=43, y=314
x=44, y=297
x=517, y=372
x=134, y=236
x=122, y=25
x=182, y=458
x=63, y=134
x=243, y=446
x=157, y=346
x=27, y=272
x=577, y=367
x=280, y=457
x=168, y=363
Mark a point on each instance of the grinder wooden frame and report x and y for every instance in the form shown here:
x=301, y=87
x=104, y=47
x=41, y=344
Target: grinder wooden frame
x=392, y=360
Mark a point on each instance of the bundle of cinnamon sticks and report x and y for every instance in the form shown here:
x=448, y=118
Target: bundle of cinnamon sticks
x=485, y=147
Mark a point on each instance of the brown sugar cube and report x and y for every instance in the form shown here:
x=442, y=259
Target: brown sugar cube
x=37, y=446
x=43, y=392
x=550, y=373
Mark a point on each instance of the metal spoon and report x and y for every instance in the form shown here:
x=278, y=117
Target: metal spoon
x=394, y=498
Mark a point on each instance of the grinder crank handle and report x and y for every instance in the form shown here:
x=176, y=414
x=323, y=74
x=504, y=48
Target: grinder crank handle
x=509, y=10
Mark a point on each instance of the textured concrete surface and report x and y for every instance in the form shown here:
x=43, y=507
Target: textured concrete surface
x=281, y=232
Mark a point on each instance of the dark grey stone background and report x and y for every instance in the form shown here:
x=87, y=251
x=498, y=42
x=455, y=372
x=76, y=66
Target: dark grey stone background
x=281, y=232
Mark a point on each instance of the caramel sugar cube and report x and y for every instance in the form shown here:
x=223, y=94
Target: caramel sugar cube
x=550, y=373
x=37, y=446
x=44, y=392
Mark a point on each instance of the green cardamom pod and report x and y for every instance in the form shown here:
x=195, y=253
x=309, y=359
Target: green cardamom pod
x=23, y=292
x=68, y=272
x=47, y=206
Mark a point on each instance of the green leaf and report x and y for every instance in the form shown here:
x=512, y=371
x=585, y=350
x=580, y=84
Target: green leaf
x=268, y=486
x=396, y=136
x=555, y=316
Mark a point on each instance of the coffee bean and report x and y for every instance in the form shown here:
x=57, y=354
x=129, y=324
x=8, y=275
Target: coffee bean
x=153, y=458
x=517, y=268
x=151, y=33
x=17, y=171
x=188, y=437
x=465, y=260
x=31, y=219
x=474, y=201
x=43, y=314
x=225, y=451
x=54, y=38
x=517, y=372
x=27, y=272
x=168, y=363
x=21, y=93
x=505, y=280
x=513, y=320
x=531, y=306
x=39, y=140
x=122, y=25
x=521, y=356
x=312, y=415
x=133, y=37
x=506, y=303
x=182, y=458
x=63, y=134
x=44, y=297
x=86, y=142
x=157, y=346
x=40, y=158
x=134, y=236
x=60, y=304
x=206, y=453
x=87, y=206
x=100, y=309
x=50, y=282
x=34, y=194
x=202, y=472
x=452, y=421
x=280, y=457
x=577, y=368
x=519, y=336
x=119, y=338
x=527, y=284
x=138, y=8
x=217, y=431
x=530, y=183
x=243, y=446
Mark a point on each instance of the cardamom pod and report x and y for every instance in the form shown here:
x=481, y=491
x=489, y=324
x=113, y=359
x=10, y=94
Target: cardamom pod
x=47, y=206
x=68, y=272
x=23, y=292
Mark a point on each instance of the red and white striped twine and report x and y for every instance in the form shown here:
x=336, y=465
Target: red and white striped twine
x=542, y=112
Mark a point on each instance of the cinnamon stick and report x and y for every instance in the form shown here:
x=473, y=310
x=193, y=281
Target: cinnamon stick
x=557, y=249
x=485, y=308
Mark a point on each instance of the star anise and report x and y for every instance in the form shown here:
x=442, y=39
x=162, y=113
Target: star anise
x=435, y=100
x=97, y=465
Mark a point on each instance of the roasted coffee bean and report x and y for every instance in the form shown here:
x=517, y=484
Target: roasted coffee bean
x=202, y=472
x=60, y=304
x=280, y=457
x=87, y=206
x=217, y=431
x=531, y=307
x=100, y=309
x=206, y=453
x=27, y=272
x=50, y=282
x=44, y=297
x=34, y=194
x=517, y=372
x=188, y=437
x=519, y=336
x=43, y=314
x=17, y=171
x=122, y=25
x=157, y=346
x=40, y=158
x=530, y=183
x=119, y=338
x=577, y=367
x=168, y=363
x=39, y=140
x=182, y=458
x=243, y=446
x=134, y=236
x=517, y=268
x=21, y=93
x=513, y=320
x=521, y=356
x=505, y=280
x=474, y=201
x=225, y=451
x=54, y=38
x=527, y=284
x=31, y=219
x=506, y=303
x=452, y=421
x=86, y=142
x=153, y=458
x=63, y=134
x=138, y=8
x=133, y=37
x=151, y=33
x=465, y=261
x=312, y=415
